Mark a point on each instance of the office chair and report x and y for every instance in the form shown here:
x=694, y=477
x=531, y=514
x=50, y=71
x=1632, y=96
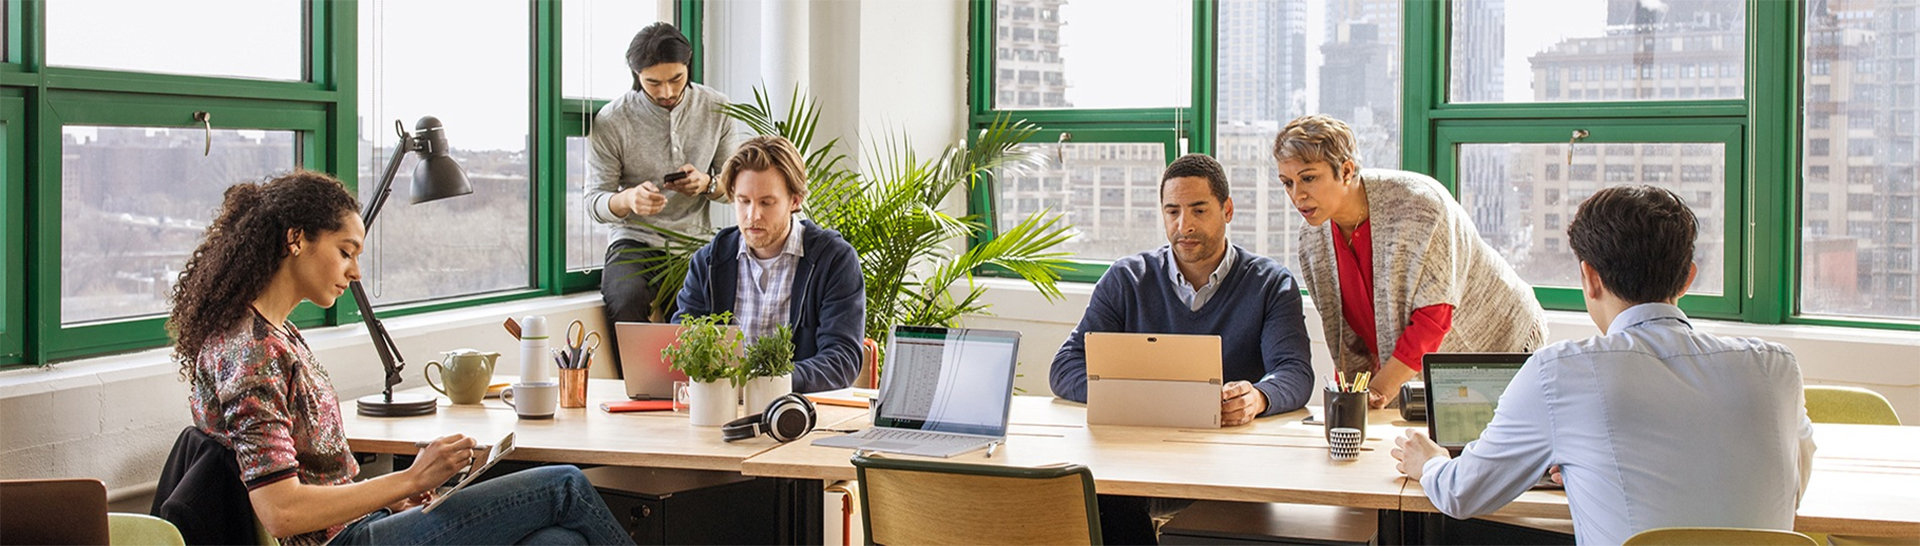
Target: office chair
x=916, y=501
x=1849, y=405
x=130, y=529
x=1690, y=536
x=57, y=511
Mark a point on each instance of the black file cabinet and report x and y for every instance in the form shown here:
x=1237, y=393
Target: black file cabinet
x=666, y=506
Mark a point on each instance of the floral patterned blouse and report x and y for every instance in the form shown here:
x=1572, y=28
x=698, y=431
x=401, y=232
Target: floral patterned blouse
x=259, y=390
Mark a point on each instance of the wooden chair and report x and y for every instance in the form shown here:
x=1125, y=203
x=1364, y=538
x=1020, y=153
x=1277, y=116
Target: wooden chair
x=1692, y=536
x=142, y=529
x=57, y=511
x=916, y=501
x=1849, y=405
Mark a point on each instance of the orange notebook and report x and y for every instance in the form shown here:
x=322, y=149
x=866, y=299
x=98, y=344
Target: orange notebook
x=637, y=405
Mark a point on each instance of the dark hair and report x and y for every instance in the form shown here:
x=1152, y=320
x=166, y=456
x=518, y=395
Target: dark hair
x=244, y=248
x=1198, y=166
x=1638, y=238
x=656, y=44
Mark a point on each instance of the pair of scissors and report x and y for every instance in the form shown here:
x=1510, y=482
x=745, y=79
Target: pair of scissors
x=580, y=341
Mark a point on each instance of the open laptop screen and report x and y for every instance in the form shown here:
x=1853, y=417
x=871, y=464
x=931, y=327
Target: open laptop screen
x=1462, y=391
x=948, y=380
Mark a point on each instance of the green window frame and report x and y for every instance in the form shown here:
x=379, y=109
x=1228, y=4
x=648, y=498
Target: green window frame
x=64, y=108
x=36, y=102
x=1187, y=129
x=1451, y=134
x=13, y=323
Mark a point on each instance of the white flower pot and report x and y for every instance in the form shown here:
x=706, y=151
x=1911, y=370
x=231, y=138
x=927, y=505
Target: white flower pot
x=711, y=404
x=761, y=391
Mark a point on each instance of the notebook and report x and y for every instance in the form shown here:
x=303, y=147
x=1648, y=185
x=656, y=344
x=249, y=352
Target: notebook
x=944, y=391
x=1462, y=391
x=646, y=374
x=1180, y=374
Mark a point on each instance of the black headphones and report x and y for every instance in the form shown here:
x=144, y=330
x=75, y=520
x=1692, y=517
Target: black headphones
x=786, y=419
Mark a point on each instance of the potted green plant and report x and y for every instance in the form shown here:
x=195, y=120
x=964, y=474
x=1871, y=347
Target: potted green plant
x=918, y=260
x=768, y=368
x=709, y=353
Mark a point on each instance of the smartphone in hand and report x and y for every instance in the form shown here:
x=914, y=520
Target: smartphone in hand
x=673, y=177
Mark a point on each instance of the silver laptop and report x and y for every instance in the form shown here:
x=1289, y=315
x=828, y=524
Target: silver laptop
x=1178, y=374
x=647, y=375
x=943, y=392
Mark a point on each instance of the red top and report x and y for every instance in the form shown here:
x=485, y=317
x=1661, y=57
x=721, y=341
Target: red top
x=1428, y=325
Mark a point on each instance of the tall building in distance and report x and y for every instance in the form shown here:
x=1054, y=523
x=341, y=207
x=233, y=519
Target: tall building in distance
x=1029, y=72
x=1686, y=52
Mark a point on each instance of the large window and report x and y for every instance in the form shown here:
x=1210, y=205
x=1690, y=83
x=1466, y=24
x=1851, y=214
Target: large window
x=594, y=45
x=195, y=37
x=466, y=245
x=1281, y=60
x=1596, y=50
x=135, y=201
x=1857, y=248
x=1105, y=183
x=1086, y=55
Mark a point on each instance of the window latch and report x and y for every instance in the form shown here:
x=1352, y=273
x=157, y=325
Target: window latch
x=1578, y=135
x=206, y=120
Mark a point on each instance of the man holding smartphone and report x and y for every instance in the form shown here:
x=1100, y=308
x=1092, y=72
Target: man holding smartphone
x=653, y=151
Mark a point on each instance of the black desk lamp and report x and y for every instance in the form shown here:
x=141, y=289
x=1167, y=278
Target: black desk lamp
x=436, y=177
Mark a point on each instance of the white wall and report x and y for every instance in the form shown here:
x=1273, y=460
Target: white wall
x=1878, y=360
x=115, y=417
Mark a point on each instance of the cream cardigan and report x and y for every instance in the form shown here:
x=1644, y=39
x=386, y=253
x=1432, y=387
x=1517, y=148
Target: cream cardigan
x=1425, y=252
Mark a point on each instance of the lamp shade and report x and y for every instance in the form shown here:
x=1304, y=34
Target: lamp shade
x=437, y=176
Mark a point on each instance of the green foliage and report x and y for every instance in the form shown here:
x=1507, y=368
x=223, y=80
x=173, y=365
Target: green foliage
x=912, y=254
x=707, y=351
x=771, y=355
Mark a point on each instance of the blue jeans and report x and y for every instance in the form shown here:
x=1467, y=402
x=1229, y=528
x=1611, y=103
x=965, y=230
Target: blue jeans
x=545, y=505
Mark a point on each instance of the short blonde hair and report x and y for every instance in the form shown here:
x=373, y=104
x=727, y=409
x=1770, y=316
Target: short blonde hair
x=763, y=153
x=1315, y=138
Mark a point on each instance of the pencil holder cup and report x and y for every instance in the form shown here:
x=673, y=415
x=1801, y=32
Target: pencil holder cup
x=1344, y=410
x=573, y=388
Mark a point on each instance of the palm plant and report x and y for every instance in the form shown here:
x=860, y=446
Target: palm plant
x=891, y=216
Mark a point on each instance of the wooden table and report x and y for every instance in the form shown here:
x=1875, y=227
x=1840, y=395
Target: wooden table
x=1274, y=459
x=658, y=439
x=1866, y=482
x=1866, y=479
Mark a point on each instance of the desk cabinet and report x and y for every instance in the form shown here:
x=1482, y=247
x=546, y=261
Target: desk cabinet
x=666, y=506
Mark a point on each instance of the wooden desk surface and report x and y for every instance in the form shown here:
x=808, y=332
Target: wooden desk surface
x=574, y=435
x=1866, y=481
x=1274, y=459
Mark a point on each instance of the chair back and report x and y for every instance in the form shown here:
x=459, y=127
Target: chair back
x=1694, y=536
x=911, y=501
x=57, y=511
x=1849, y=405
x=142, y=529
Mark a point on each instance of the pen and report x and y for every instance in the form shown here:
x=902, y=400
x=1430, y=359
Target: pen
x=990, y=446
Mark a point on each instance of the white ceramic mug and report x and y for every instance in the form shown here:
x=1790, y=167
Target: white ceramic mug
x=532, y=400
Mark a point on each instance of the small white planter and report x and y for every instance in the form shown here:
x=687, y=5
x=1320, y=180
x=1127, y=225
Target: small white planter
x=761, y=391
x=711, y=404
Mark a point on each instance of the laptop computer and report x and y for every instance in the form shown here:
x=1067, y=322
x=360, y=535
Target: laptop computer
x=1153, y=380
x=945, y=391
x=1462, y=391
x=646, y=374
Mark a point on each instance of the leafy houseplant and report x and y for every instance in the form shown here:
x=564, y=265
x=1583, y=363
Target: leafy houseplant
x=912, y=254
x=771, y=355
x=707, y=352
x=768, y=368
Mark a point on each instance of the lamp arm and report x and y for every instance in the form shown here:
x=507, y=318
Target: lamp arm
x=390, y=359
x=385, y=189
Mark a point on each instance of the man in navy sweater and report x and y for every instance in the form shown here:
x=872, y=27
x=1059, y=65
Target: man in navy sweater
x=1197, y=284
x=774, y=269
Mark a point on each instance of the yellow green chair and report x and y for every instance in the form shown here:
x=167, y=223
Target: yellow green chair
x=1697, y=536
x=1849, y=405
x=129, y=529
x=916, y=501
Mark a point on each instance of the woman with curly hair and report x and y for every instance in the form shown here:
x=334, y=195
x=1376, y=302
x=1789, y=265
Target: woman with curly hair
x=256, y=388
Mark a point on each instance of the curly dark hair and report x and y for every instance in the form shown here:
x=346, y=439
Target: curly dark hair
x=244, y=248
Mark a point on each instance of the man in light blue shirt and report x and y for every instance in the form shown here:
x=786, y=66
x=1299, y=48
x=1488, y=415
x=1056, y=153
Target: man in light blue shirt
x=1652, y=424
